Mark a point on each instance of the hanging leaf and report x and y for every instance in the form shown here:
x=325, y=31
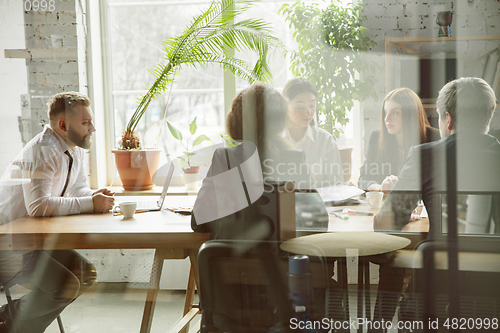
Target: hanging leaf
x=193, y=127
x=200, y=139
x=175, y=132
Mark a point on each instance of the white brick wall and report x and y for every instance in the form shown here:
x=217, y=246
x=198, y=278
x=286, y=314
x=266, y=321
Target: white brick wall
x=67, y=16
x=414, y=8
x=52, y=38
x=375, y=10
x=51, y=64
x=409, y=22
x=13, y=83
x=427, y=22
x=393, y=10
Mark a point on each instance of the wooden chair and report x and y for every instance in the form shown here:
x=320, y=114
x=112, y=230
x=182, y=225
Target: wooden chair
x=477, y=275
x=6, y=288
x=244, y=287
x=235, y=293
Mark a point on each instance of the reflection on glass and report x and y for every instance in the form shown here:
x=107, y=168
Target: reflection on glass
x=475, y=214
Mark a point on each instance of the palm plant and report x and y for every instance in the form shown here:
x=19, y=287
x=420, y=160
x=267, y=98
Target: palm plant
x=209, y=38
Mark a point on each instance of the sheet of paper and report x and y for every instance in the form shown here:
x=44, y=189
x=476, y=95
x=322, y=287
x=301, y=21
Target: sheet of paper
x=338, y=192
x=424, y=213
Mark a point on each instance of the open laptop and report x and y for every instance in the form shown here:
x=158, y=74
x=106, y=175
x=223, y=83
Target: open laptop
x=154, y=205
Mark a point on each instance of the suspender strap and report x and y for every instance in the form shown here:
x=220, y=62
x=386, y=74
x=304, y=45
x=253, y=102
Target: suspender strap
x=69, y=172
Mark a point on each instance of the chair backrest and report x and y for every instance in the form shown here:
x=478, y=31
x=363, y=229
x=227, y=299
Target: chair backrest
x=6, y=289
x=238, y=292
x=310, y=211
x=478, y=290
x=244, y=286
x=478, y=216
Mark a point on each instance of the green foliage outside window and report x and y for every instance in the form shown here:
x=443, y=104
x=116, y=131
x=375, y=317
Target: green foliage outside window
x=331, y=44
x=209, y=38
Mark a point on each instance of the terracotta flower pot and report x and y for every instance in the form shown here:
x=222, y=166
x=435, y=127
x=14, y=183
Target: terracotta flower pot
x=193, y=169
x=137, y=167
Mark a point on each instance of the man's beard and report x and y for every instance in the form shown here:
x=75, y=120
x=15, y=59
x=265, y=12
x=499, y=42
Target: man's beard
x=78, y=140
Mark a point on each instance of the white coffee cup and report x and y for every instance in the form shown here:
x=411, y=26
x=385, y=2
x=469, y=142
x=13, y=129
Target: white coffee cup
x=127, y=209
x=374, y=199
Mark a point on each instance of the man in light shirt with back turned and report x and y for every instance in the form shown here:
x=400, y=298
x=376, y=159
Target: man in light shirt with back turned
x=465, y=108
x=48, y=179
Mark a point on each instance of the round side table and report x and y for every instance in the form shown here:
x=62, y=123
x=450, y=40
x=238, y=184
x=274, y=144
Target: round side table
x=335, y=244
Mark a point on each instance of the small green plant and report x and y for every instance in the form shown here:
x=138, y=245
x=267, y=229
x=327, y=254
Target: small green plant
x=185, y=143
x=330, y=45
x=229, y=140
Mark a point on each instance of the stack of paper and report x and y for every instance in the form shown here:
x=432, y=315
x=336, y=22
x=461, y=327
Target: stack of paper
x=338, y=193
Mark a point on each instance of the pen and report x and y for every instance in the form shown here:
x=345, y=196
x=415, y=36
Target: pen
x=181, y=210
x=343, y=217
x=355, y=212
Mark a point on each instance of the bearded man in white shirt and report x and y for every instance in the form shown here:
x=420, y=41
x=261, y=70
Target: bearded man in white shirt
x=48, y=179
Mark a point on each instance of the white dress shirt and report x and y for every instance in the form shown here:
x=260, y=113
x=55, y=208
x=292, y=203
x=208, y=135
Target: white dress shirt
x=34, y=181
x=322, y=156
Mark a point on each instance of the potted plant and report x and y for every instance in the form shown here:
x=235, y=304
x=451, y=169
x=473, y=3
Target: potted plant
x=210, y=38
x=190, y=169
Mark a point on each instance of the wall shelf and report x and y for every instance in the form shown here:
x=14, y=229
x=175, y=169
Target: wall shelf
x=405, y=44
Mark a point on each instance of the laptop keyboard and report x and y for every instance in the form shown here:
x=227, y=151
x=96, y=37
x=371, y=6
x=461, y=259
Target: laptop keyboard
x=148, y=204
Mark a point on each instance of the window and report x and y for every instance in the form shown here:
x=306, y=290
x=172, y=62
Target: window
x=136, y=31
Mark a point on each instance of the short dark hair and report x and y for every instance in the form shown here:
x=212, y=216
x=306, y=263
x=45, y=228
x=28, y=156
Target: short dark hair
x=66, y=101
x=470, y=101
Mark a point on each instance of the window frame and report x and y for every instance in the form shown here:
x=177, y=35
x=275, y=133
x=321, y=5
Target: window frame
x=102, y=93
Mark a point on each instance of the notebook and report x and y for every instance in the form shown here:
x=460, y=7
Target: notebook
x=153, y=205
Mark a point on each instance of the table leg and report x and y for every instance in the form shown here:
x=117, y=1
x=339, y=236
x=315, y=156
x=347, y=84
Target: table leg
x=193, y=257
x=192, y=282
x=366, y=264
x=361, y=268
x=188, y=303
x=342, y=271
x=154, y=285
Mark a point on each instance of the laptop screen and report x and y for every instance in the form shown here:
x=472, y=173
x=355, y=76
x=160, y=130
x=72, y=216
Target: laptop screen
x=166, y=184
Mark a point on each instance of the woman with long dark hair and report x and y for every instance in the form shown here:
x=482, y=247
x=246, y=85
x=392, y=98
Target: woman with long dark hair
x=403, y=124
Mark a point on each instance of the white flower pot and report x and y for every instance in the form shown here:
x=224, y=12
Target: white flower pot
x=191, y=181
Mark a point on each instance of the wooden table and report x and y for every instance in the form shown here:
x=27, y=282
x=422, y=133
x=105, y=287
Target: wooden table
x=355, y=222
x=156, y=190
x=168, y=233
x=415, y=231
